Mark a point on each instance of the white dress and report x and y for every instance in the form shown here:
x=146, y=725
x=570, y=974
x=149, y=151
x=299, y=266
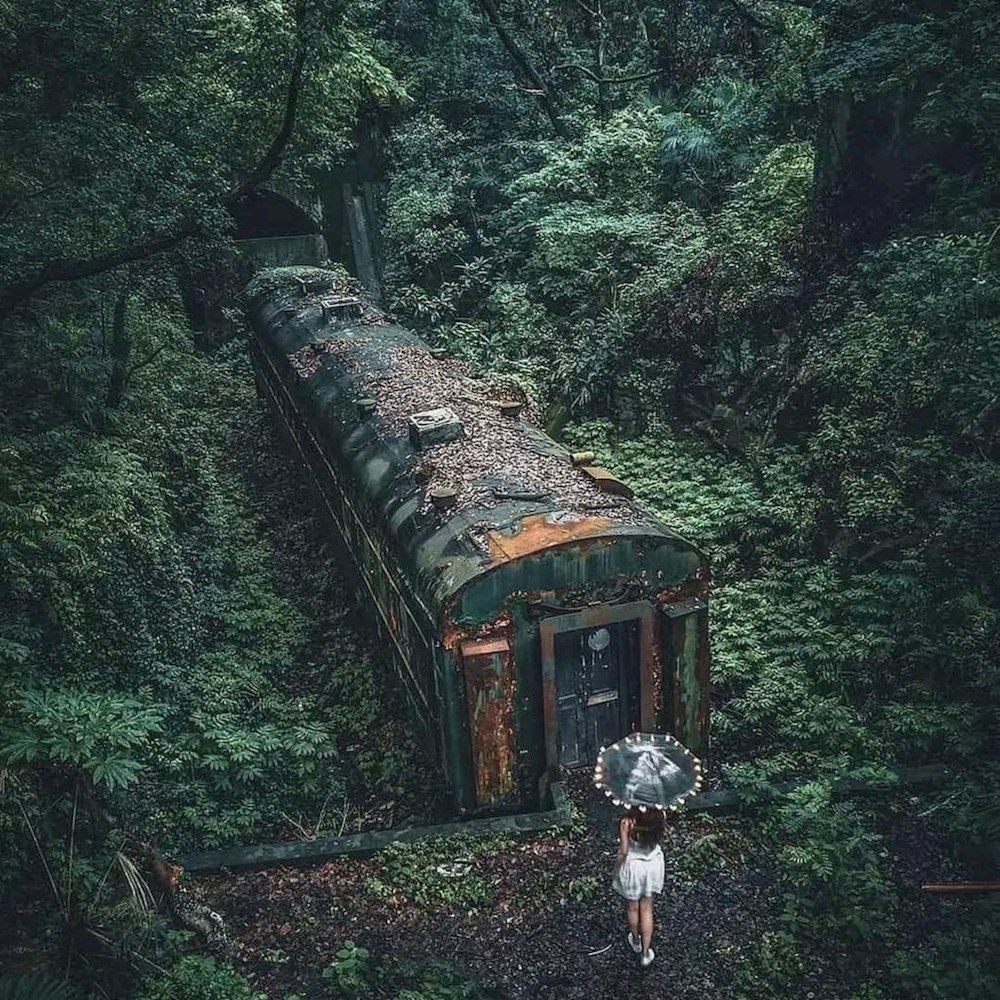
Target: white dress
x=640, y=874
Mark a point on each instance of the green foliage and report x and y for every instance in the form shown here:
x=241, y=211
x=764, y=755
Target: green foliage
x=144, y=629
x=832, y=862
x=197, y=977
x=718, y=848
x=350, y=969
x=440, y=872
x=273, y=279
x=585, y=889
x=960, y=961
x=96, y=734
x=355, y=973
x=759, y=269
x=772, y=967
x=35, y=987
x=132, y=121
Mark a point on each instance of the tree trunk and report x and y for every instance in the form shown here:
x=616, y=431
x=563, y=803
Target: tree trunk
x=542, y=90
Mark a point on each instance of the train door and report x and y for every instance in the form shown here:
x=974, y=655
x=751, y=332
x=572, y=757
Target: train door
x=597, y=687
x=596, y=679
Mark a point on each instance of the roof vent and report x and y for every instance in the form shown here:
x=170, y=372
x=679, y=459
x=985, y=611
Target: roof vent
x=341, y=308
x=435, y=427
x=444, y=497
x=606, y=482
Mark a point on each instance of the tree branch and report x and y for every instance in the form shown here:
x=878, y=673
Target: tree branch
x=272, y=158
x=73, y=270
x=591, y=75
x=22, y=289
x=542, y=89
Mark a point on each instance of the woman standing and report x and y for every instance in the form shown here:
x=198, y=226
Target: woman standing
x=639, y=875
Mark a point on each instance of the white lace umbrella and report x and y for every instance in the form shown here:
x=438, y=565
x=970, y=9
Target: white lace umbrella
x=648, y=771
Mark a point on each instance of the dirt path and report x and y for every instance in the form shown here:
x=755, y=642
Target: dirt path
x=533, y=920
x=550, y=928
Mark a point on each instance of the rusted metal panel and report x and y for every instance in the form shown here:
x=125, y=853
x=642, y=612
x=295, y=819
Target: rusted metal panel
x=484, y=647
x=651, y=672
x=541, y=531
x=455, y=636
x=490, y=691
x=696, y=586
x=689, y=669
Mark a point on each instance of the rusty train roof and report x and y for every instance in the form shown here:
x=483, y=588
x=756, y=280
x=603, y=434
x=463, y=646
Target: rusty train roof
x=362, y=378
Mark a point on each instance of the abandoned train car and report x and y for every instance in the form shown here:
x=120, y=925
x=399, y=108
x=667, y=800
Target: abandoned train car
x=533, y=612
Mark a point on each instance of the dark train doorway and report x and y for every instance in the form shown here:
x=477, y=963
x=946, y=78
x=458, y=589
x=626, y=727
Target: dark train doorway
x=597, y=679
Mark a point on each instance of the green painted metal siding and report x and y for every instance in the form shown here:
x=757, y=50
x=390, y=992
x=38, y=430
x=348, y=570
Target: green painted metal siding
x=432, y=549
x=624, y=557
x=437, y=580
x=408, y=630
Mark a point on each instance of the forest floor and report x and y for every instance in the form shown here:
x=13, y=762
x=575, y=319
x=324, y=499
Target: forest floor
x=550, y=927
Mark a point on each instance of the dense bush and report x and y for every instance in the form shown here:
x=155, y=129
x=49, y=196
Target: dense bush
x=758, y=273
x=151, y=618
x=198, y=978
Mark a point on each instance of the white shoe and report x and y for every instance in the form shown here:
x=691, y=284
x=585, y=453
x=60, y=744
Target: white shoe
x=634, y=943
x=647, y=958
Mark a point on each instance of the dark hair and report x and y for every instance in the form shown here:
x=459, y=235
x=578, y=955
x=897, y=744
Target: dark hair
x=648, y=828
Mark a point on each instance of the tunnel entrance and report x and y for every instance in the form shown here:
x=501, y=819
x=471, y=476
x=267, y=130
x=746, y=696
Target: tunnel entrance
x=267, y=215
x=274, y=231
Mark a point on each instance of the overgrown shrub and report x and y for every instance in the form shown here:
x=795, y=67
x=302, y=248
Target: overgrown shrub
x=198, y=977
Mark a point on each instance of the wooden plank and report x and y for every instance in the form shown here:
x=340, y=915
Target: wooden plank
x=962, y=887
x=904, y=777
x=311, y=852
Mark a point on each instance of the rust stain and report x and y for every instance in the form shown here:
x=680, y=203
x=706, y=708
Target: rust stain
x=452, y=635
x=696, y=586
x=656, y=673
x=490, y=689
x=483, y=647
x=541, y=531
